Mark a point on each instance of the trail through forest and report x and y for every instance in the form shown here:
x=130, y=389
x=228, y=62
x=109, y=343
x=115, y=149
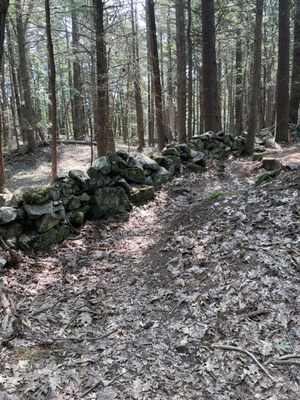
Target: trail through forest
x=195, y=296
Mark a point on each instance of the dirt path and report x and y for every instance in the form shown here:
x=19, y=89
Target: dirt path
x=132, y=309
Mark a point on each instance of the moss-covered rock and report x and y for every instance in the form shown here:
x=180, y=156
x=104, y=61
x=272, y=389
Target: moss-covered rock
x=109, y=201
x=41, y=195
x=170, y=151
x=47, y=222
x=142, y=195
x=54, y=236
x=11, y=230
x=77, y=218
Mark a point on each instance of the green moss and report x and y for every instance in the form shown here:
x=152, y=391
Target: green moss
x=142, y=195
x=215, y=195
x=55, y=235
x=266, y=177
x=40, y=196
x=257, y=157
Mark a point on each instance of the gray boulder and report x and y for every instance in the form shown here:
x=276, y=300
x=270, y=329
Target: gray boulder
x=184, y=151
x=147, y=162
x=101, y=165
x=161, y=177
x=199, y=158
x=117, y=163
x=142, y=195
x=135, y=175
x=109, y=201
x=37, y=211
x=7, y=214
x=81, y=178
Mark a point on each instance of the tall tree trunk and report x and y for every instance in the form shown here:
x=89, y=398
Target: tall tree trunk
x=79, y=121
x=137, y=81
x=282, y=121
x=150, y=86
x=102, y=80
x=3, y=11
x=28, y=113
x=256, y=78
x=11, y=57
x=190, y=118
x=211, y=100
x=295, y=82
x=156, y=74
x=238, y=85
x=52, y=86
x=181, y=70
x=170, y=108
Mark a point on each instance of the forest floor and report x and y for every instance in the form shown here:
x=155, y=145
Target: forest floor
x=195, y=296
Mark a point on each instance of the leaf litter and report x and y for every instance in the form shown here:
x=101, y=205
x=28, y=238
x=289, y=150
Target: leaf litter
x=195, y=296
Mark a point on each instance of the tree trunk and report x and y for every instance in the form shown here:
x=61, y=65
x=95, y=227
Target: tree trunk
x=3, y=12
x=11, y=57
x=27, y=111
x=211, y=100
x=102, y=80
x=282, y=121
x=256, y=78
x=79, y=121
x=137, y=82
x=238, y=85
x=156, y=74
x=190, y=107
x=181, y=70
x=170, y=108
x=295, y=82
x=52, y=86
x=150, y=86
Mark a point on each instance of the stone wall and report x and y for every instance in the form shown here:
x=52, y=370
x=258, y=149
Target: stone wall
x=46, y=216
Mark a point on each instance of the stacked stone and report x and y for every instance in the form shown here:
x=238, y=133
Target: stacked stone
x=115, y=182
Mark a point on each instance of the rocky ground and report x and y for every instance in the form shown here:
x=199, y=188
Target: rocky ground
x=195, y=296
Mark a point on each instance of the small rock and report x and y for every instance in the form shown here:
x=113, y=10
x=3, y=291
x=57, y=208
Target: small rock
x=3, y=262
x=7, y=214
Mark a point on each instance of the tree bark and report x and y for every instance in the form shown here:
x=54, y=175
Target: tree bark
x=211, y=100
x=295, y=81
x=181, y=70
x=3, y=11
x=282, y=120
x=79, y=121
x=137, y=82
x=156, y=74
x=102, y=80
x=190, y=107
x=52, y=86
x=27, y=110
x=238, y=85
x=256, y=78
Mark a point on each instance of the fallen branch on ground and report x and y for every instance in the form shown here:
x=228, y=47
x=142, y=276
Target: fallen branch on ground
x=240, y=350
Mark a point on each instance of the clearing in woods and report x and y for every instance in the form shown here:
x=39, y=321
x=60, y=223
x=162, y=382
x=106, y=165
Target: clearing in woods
x=195, y=296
